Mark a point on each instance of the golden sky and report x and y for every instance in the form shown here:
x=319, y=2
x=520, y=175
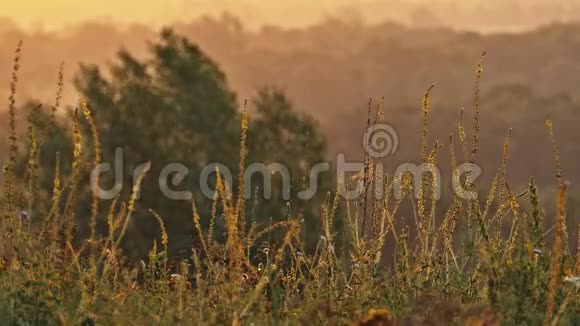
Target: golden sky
x=52, y=14
x=57, y=13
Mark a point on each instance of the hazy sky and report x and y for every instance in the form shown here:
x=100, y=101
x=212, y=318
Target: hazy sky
x=55, y=13
x=470, y=13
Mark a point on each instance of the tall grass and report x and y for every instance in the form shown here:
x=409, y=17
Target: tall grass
x=450, y=265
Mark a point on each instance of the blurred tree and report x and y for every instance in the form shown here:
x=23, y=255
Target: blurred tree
x=277, y=134
x=177, y=107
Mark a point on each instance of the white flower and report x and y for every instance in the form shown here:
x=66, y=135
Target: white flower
x=574, y=280
x=330, y=248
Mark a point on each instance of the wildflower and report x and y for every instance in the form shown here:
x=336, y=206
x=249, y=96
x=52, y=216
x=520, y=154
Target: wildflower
x=266, y=250
x=356, y=266
x=299, y=254
x=330, y=248
x=538, y=251
x=574, y=280
x=323, y=239
x=176, y=277
x=24, y=217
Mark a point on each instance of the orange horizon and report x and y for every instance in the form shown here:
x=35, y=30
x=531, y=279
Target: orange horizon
x=472, y=14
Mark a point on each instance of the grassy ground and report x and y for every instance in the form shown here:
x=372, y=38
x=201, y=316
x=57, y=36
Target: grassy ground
x=480, y=261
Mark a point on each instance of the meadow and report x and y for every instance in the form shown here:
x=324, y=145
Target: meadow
x=488, y=260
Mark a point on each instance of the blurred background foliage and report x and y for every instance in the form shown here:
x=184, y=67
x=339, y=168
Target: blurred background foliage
x=307, y=89
x=177, y=107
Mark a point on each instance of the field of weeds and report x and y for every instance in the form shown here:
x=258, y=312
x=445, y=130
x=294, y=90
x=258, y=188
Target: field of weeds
x=471, y=260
